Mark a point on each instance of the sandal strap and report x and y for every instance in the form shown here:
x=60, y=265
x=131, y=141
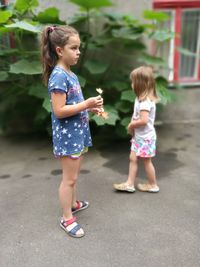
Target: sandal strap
x=78, y=204
x=81, y=203
x=68, y=222
x=75, y=229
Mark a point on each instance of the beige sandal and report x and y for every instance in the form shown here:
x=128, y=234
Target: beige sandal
x=148, y=188
x=124, y=187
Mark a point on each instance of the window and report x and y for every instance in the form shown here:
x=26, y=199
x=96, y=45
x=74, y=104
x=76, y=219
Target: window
x=185, y=21
x=4, y=3
x=190, y=40
x=165, y=50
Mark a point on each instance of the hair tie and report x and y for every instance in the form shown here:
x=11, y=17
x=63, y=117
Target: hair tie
x=51, y=29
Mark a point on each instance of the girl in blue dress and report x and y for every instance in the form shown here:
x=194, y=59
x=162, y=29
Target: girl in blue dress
x=70, y=124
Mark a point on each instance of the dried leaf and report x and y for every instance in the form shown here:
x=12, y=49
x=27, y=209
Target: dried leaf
x=103, y=114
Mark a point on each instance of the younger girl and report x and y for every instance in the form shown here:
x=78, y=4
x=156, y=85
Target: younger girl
x=71, y=135
x=142, y=129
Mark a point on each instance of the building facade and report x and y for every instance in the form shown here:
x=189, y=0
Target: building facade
x=182, y=53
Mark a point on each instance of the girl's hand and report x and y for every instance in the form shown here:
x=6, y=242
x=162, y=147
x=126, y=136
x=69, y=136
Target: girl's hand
x=94, y=102
x=131, y=128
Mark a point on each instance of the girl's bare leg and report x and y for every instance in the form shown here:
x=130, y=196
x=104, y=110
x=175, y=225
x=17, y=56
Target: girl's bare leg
x=74, y=191
x=133, y=167
x=70, y=168
x=150, y=171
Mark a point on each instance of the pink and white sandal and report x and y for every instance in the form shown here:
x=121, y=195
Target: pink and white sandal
x=80, y=205
x=71, y=227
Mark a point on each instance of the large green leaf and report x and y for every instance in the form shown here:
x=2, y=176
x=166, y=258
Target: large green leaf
x=3, y=75
x=93, y=46
x=4, y=16
x=127, y=95
x=132, y=46
x=103, y=40
x=8, y=52
x=187, y=52
x=41, y=114
x=113, y=16
x=3, y=30
x=162, y=90
x=123, y=106
x=91, y=4
x=49, y=15
x=25, y=5
x=38, y=90
x=162, y=35
x=26, y=67
x=113, y=116
x=118, y=85
x=46, y=104
x=151, y=60
x=82, y=80
x=24, y=26
x=126, y=33
x=99, y=120
x=95, y=67
x=125, y=121
x=155, y=15
x=77, y=18
x=130, y=20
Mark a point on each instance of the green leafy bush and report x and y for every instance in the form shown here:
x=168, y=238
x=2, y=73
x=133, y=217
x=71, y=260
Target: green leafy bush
x=111, y=45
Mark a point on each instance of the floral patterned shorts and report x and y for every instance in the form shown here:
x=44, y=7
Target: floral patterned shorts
x=143, y=148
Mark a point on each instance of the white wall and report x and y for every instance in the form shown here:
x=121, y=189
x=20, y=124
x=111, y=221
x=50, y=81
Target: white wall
x=184, y=109
x=66, y=8
x=131, y=7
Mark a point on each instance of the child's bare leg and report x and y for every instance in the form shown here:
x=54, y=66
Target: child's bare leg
x=70, y=169
x=74, y=197
x=74, y=191
x=133, y=167
x=150, y=171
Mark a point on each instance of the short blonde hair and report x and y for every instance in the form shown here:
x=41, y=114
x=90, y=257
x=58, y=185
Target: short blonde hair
x=144, y=83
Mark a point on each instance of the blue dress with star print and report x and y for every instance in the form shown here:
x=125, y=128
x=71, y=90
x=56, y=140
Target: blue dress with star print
x=71, y=134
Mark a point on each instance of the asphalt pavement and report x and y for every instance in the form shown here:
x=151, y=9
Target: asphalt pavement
x=122, y=229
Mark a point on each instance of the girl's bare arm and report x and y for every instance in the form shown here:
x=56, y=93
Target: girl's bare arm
x=61, y=110
x=142, y=121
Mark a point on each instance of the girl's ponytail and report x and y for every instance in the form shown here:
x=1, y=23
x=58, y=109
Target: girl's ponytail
x=53, y=36
x=49, y=56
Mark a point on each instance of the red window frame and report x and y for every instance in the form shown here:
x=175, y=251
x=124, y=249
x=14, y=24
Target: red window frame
x=178, y=6
x=4, y=3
